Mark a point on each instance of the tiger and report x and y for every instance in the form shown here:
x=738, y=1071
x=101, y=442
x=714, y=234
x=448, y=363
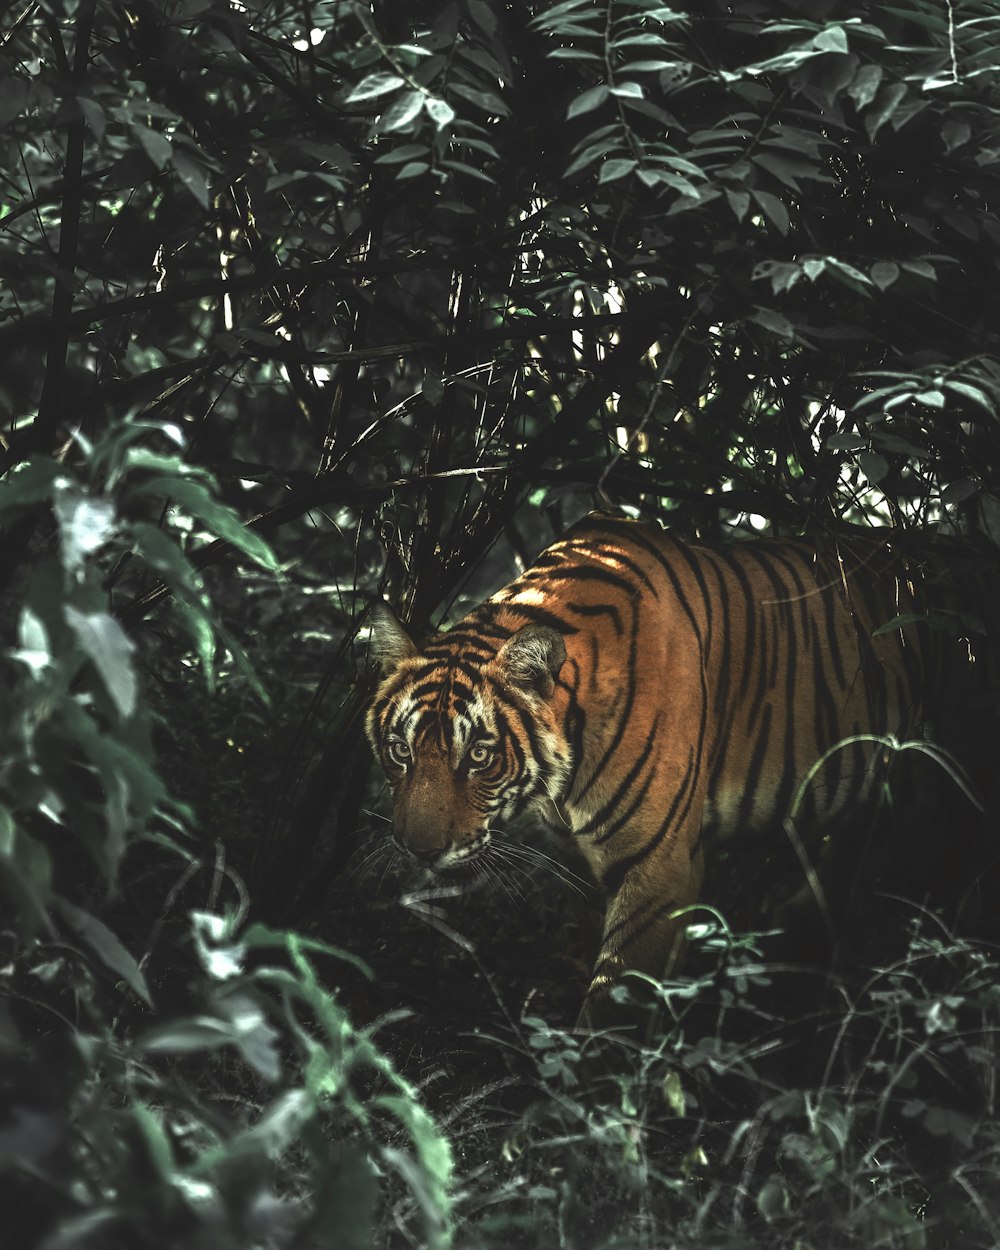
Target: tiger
x=649, y=695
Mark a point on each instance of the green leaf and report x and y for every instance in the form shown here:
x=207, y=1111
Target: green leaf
x=627, y=90
x=157, y=1143
x=551, y=18
x=889, y=99
x=787, y=169
x=192, y=174
x=164, y=554
x=262, y=936
x=884, y=273
x=188, y=1036
x=155, y=462
x=106, y=946
x=782, y=274
x=214, y=515
x=30, y=483
x=955, y=131
x=469, y=171
x=865, y=85
x=873, y=466
x=198, y=625
x=649, y=67
x=488, y=101
x=157, y=146
x=958, y=491
x=773, y=1200
x=832, y=39
x=483, y=15
x=700, y=197
x=402, y=111
x=253, y=1036
x=611, y=171
x=402, y=152
x=922, y=268
x=673, y=1092
x=774, y=210
x=375, y=85
x=857, y=278
x=775, y=322
x=739, y=202
x=588, y=101
x=973, y=393
x=662, y=177
x=94, y=116
x=110, y=649
x=439, y=111
x=412, y=169
x=845, y=442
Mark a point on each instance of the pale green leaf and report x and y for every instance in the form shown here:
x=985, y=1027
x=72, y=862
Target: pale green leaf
x=439, y=111
x=402, y=111
x=865, y=85
x=85, y=523
x=884, y=273
x=110, y=649
x=611, y=171
x=973, y=393
x=375, y=85
x=588, y=101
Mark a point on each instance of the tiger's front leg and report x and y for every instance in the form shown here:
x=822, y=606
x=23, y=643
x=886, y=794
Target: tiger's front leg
x=643, y=932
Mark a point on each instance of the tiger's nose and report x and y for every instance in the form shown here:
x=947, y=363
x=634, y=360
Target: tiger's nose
x=428, y=855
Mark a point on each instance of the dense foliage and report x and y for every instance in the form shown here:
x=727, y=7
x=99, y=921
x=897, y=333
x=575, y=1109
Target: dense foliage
x=306, y=302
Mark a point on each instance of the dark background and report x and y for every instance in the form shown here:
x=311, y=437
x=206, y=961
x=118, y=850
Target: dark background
x=304, y=303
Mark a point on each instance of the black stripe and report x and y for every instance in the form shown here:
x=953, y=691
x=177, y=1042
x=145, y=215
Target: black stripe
x=599, y=609
x=583, y=572
x=601, y=815
x=679, y=809
x=624, y=715
x=656, y=911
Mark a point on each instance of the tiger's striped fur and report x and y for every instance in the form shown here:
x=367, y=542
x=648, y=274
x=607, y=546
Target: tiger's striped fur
x=651, y=692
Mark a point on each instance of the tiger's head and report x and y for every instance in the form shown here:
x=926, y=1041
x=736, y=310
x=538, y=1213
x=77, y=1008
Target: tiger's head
x=466, y=731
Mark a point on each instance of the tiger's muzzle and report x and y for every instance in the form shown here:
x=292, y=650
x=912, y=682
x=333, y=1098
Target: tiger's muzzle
x=445, y=856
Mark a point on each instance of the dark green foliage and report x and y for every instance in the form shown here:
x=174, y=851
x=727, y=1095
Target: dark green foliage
x=302, y=304
x=738, y=1128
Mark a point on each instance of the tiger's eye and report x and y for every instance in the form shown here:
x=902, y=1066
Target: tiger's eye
x=480, y=754
x=398, y=751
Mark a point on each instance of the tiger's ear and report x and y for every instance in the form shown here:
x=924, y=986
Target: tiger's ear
x=390, y=644
x=533, y=657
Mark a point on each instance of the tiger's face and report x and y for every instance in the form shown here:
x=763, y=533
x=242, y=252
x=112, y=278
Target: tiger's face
x=466, y=734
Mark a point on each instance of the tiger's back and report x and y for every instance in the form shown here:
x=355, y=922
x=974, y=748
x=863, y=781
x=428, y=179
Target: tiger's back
x=650, y=693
